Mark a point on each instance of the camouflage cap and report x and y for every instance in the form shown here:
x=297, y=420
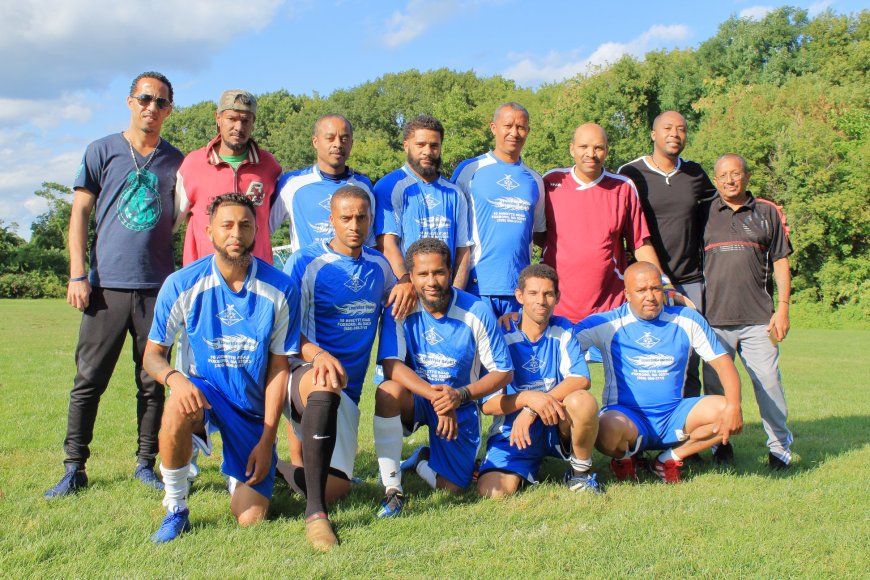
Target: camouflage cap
x=237, y=100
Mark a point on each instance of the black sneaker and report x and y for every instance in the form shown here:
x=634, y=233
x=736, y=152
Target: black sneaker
x=777, y=464
x=145, y=473
x=724, y=455
x=72, y=481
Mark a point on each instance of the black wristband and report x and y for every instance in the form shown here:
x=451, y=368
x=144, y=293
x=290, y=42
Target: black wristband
x=79, y=278
x=464, y=395
x=169, y=374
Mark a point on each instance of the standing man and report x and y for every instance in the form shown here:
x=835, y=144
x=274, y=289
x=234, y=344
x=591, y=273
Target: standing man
x=547, y=409
x=127, y=180
x=507, y=205
x=592, y=216
x=645, y=346
x=304, y=195
x=415, y=202
x=433, y=361
x=745, y=241
x=670, y=190
x=344, y=287
x=230, y=163
x=242, y=320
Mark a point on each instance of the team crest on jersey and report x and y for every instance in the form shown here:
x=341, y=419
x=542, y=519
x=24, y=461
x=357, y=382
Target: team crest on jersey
x=357, y=307
x=510, y=203
x=651, y=361
x=648, y=340
x=233, y=343
x=321, y=228
x=430, y=201
x=508, y=183
x=229, y=316
x=434, y=360
x=255, y=192
x=534, y=364
x=436, y=222
x=432, y=337
x=325, y=203
x=355, y=283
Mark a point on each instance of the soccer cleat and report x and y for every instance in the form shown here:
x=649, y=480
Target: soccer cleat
x=777, y=464
x=624, y=469
x=145, y=474
x=392, y=504
x=419, y=454
x=318, y=532
x=173, y=525
x=73, y=480
x=582, y=482
x=669, y=471
x=724, y=455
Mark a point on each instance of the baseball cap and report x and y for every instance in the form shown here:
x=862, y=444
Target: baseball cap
x=237, y=100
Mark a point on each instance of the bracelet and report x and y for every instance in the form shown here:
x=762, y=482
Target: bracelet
x=784, y=302
x=79, y=278
x=530, y=411
x=464, y=395
x=169, y=374
x=314, y=358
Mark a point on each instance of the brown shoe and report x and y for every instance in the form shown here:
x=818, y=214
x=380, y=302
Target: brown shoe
x=318, y=532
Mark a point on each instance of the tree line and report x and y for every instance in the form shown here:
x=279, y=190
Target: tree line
x=787, y=92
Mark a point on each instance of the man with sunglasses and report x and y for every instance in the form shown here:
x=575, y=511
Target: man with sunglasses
x=127, y=181
x=231, y=162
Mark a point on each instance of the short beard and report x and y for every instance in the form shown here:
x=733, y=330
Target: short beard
x=236, y=149
x=425, y=172
x=243, y=260
x=439, y=305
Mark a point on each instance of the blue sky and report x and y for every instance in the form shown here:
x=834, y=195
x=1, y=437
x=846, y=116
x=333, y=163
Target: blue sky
x=68, y=64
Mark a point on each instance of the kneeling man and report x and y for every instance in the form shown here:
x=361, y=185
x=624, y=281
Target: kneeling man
x=547, y=408
x=646, y=348
x=241, y=319
x=434, y=359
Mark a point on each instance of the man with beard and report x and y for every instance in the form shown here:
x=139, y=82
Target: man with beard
x=670, y=189
x=415, y=202
x=231, y=161
x=345, y=286
x=433, y=361
x=507, y=204
x=127, y=181
x=242, y=320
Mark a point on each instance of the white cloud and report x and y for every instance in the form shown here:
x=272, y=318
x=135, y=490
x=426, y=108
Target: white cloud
x=45, y=113
x=557, y=66
x=755, y=12
x=418, y=16
x=819, y=7
x=62, y=46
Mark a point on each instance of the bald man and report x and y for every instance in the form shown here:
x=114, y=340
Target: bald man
x=645, y=346
x=591, y=216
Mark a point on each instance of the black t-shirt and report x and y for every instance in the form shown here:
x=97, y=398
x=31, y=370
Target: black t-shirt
x=670, y=205
x=740, y=248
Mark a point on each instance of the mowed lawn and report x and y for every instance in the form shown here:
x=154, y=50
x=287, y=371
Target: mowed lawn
x=811, y=521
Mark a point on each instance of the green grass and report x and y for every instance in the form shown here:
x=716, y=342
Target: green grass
x=813, y=521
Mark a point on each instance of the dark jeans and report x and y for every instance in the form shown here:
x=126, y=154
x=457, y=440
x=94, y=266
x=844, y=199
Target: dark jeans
x=694, y=291
x=110, y=315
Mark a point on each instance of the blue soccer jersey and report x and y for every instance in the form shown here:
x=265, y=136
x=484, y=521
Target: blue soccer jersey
x=342, y=299
x=645, y=361
x=304, y=197
x=507, y=205
x=450, y=350
x=411, y=209
x=230, y=334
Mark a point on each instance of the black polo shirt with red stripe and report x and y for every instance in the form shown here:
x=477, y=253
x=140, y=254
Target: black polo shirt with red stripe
x=740, y=247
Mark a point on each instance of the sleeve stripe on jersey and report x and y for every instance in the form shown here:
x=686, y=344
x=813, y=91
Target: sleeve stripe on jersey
x=184, y=303
x=697, y=337
x=280, y=316
x=307, y=306
x=482, y=337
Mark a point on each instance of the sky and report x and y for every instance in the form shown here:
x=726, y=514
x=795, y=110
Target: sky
x=69, y=64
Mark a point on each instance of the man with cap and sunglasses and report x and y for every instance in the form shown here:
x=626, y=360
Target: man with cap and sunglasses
x=230, y=163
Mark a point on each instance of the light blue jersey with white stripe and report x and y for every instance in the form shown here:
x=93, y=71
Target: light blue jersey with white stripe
x=342, y=299
x=507, y=205
x=229, y=334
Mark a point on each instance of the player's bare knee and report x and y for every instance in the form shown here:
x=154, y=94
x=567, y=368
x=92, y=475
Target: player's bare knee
x=251, y=516
x=581, y=407
x=387, y=398
x=448, y=485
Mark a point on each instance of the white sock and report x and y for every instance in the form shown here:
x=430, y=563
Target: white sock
x=388, y=446
x=177, y=486
x=427, y=473
x=669, y=454
x=580, y=465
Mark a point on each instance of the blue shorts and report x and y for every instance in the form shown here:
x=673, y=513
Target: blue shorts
x=501, y=305
x=452, y=460
x=660, y=429
x=240, y=432
x=526, y=463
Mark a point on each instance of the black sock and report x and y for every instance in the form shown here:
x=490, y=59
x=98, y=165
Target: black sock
x=319, y=422
x=296, y=479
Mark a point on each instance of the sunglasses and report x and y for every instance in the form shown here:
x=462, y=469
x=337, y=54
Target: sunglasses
x=145, y=101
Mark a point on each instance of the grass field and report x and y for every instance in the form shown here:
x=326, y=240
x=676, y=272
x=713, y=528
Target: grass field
x=813, y=521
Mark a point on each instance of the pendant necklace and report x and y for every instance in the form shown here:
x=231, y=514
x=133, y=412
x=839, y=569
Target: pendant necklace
x=148, y=161
x=667, y=175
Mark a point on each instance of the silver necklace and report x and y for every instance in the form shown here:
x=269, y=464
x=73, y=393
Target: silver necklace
x=667, y=175
x=148, y=161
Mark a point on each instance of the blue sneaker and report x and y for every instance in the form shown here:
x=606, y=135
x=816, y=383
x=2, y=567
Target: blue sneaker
x=72, y=481
x=586, y=482
x=145, y=473
x=419, y=454
x=173, y=524
x=392, y=504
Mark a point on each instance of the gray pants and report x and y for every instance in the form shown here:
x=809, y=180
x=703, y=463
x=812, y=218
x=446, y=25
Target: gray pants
x=761, y=359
